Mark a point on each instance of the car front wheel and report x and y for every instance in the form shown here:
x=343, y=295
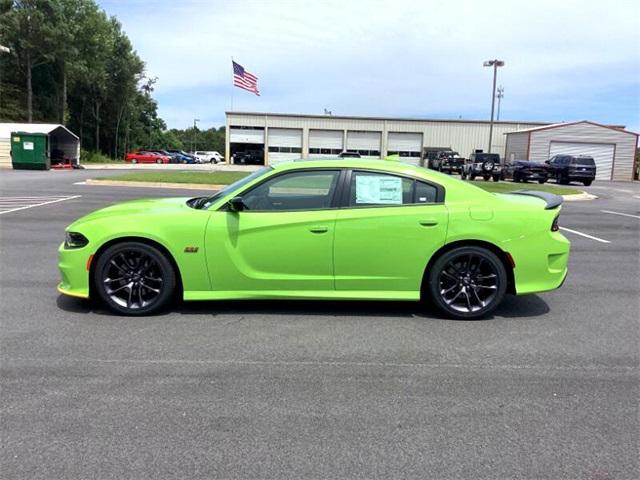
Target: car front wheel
x=467, y=282
x=134, y=278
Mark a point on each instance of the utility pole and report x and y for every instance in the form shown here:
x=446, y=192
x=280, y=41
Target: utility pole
x=499, y=95
x=495, y=64
x=193, y=140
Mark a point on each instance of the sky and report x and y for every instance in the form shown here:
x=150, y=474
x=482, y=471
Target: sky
x=564, y=60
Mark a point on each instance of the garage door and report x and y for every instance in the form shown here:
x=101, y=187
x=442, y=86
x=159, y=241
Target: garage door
x=246, y=135
x=325, y=143
x=284, y=144
x=367, y=144
x=602, y=153
x=407, y=145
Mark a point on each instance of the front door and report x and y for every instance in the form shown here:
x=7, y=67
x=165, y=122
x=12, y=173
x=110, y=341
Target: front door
x=387, y=234
x=283, y=239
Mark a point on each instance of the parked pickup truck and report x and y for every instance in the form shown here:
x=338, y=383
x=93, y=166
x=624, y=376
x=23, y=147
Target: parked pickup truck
x=448, y=162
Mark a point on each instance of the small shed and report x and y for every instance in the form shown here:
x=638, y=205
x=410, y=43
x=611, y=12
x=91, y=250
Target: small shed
x=612, y=148
x=61, y=142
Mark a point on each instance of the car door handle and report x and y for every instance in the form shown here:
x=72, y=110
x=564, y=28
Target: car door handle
x=428, y=222
x=319, y=229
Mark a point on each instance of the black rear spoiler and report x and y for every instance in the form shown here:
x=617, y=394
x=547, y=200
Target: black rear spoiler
x=553, y=200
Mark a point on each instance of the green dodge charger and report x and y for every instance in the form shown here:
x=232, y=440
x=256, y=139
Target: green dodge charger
x=329, y=229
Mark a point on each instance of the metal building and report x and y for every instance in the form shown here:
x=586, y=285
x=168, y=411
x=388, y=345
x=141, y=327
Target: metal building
x=612, y=148
x=289, y=136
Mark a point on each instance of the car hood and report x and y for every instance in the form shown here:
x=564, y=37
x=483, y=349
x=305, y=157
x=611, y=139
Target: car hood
x=136, y=207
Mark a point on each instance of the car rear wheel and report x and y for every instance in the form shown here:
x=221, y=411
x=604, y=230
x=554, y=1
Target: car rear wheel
x=159, y=160
x=134, y=278
x=467, y=282
x=134, y=161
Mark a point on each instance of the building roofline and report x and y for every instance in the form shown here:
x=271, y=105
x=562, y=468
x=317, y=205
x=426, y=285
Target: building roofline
x=617, y=128
x=400, y=119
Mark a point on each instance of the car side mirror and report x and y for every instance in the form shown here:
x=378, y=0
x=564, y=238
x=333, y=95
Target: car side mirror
x=236, y=204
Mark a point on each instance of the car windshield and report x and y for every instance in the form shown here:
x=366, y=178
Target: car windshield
x=202, y=203
x=583, y=161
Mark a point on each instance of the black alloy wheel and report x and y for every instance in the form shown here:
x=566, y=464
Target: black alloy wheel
x=133, y=278
x=467, y=282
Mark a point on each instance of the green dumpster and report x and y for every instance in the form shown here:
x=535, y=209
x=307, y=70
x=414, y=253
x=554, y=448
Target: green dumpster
x=29, y=151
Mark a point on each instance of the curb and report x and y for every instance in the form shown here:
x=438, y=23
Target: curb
x=579, y=197
x=185, y=186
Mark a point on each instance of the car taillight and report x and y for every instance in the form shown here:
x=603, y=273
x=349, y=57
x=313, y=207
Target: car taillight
x=554, y=225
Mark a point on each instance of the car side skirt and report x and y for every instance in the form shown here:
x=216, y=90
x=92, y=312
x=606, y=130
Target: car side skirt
x=303, y=295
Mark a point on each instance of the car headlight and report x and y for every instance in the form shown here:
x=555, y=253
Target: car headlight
x=75, y=240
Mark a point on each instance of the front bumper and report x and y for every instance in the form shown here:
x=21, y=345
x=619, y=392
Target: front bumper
x=73, y=265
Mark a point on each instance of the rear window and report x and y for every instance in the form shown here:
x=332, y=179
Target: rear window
x=583, y=161
x=481, y=157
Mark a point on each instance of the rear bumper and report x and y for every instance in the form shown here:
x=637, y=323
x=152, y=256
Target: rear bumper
x=542, y=268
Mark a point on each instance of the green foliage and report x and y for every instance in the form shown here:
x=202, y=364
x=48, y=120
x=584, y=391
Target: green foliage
x=94, y=157
x=70, y=63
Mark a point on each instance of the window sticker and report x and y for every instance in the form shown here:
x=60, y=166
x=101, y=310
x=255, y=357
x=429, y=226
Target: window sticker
x=378, y=189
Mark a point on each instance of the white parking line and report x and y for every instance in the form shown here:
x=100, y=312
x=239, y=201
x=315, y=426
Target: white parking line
x=602, y=240
x=620, y=213
x=14, y=204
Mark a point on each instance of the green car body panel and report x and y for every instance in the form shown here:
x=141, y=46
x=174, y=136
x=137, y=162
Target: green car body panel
x=365, y=252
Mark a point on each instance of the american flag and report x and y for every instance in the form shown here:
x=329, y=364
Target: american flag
x=244, y=79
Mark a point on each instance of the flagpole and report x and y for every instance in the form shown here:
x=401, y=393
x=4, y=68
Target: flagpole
x=232, y=78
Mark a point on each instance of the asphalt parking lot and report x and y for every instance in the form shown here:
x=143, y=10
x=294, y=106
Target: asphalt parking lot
x=546, y=388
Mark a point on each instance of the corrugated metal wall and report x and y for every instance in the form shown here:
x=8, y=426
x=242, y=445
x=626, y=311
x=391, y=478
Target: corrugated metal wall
x=625, y=144
x=462, y=136
x=516, y=148
x=5, y=157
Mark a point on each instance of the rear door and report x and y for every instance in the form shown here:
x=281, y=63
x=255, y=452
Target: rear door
x=386, y=232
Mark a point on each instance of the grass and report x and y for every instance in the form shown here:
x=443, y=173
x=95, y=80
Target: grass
x=506, y=187
x=225, y=178
x=205, y=178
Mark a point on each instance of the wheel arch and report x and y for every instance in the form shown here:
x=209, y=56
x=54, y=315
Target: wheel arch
x=501, y=254
x=147, y=241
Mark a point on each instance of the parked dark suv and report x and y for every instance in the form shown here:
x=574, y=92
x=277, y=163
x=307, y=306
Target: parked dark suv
x=523, y=171
x=568, y=168
x=250, y=157
x=448, y=161
x=485, y=165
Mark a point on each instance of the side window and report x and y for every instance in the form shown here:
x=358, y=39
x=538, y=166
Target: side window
x=312, y=190
x=372, y=189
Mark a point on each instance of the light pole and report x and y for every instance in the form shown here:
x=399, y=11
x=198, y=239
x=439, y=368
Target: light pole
x=3, y=49
x=495, y=64
x=499, y=95
x=193, y=140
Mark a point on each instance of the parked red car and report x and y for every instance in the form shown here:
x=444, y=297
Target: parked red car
x=146, y=157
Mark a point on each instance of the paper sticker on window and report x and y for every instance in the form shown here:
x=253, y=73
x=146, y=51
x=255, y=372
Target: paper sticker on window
x=27, y=145
x=378, y=189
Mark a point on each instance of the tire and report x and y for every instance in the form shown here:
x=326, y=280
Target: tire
x=486, y=177
x=463, y=175
x=542, y=181
x=587, y=183
x=457, y=274
x=134, y=161
x=472, y=176
x=496, y=178
x=516, y=177
x=145, y=273
x=561, y=180
x=158, y=161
